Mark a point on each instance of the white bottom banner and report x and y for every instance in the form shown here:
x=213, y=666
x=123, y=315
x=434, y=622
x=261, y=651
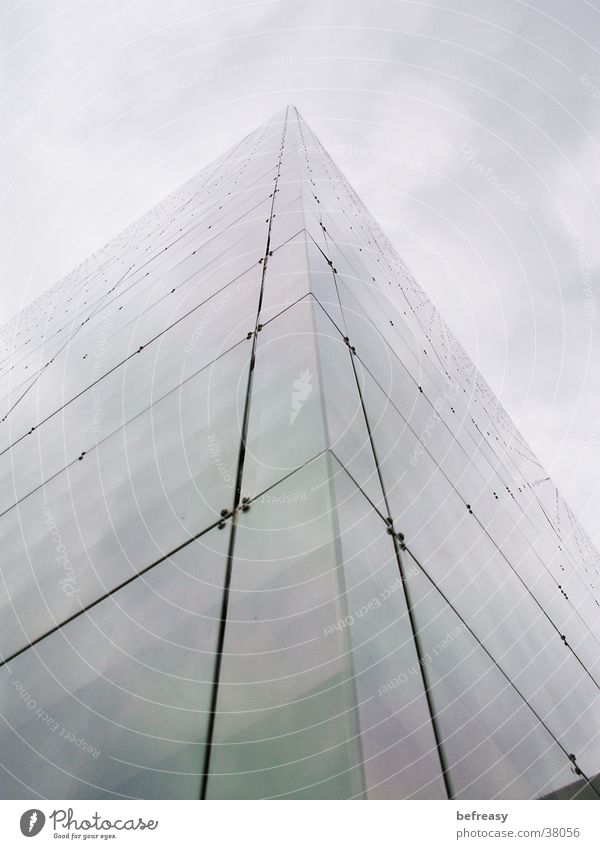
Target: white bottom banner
x=294, y=824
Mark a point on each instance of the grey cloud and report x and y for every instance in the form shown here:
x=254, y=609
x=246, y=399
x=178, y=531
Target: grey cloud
x=106, y=108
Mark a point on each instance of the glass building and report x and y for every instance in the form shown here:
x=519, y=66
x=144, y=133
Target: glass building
x=266, y=531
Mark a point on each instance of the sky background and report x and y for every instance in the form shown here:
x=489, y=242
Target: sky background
x=470, y=129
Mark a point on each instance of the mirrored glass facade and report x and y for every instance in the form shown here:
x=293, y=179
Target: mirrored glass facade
x=266, y=531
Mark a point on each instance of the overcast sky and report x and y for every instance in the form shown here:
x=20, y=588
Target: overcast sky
x=469, y=127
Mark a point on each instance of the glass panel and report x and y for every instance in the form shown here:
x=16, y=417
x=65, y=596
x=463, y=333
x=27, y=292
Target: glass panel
x=115, y=704
x=286, y=426
x=159, y=480
x=115, y=385
x=288, y=214
x=286, y=278
x=147, y=299
x=397, y=742
x=295, y=269
x=444, y=534
x=139, y=312
x=566, y=602
x=494, y=745
x=381, y=348
x=305, y=399
x=286, y=723
x=323, y=285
